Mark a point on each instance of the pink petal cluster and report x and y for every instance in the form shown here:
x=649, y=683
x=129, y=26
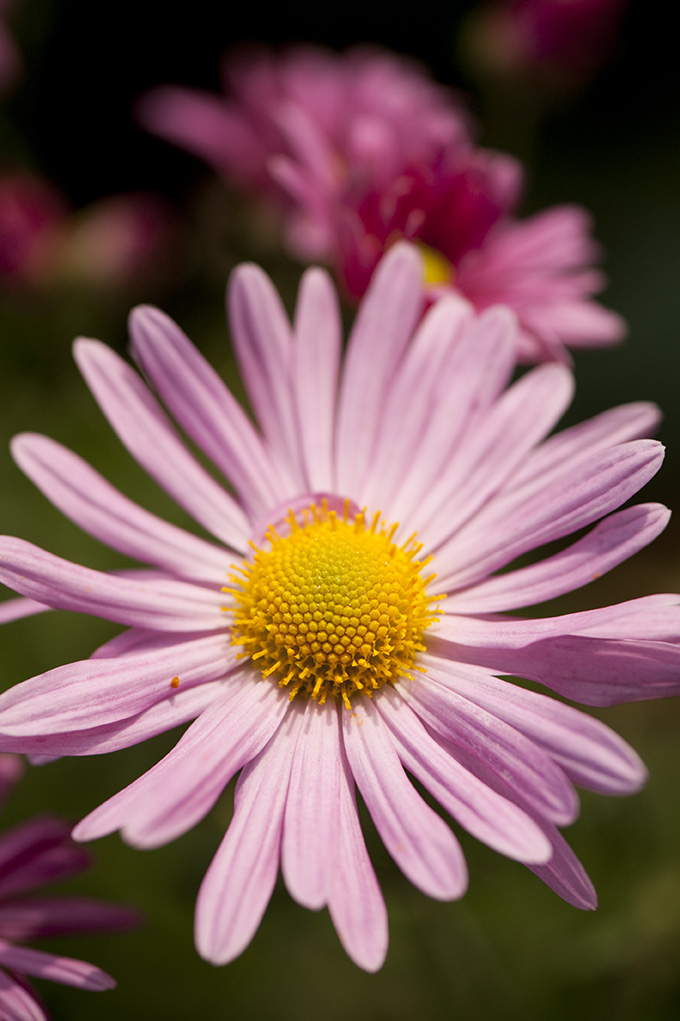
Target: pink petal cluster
x=33, y=854
x=420, y=421
x=32, y=222
x=114, y=242
x=361, y=149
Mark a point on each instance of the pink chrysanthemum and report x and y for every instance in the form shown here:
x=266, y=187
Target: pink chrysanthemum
x=362, y=149
x=33, y=854
x=311, y=639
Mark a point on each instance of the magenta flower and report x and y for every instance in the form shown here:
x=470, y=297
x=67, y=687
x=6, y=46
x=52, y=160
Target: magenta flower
x=361, y=149
x=551, y=42
x=32, y=223
x=33, y=854
x=346, y=622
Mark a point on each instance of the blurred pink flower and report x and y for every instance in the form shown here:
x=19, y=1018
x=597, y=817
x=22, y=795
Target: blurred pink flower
x=310, y=586
x=32, y=222
x=115, y=243
x=562, y=42
x=33, y=854
x=360, y=150
x=120, y=240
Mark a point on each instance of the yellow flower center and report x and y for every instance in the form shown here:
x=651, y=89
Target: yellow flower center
x=436, y=267
x=334, y=608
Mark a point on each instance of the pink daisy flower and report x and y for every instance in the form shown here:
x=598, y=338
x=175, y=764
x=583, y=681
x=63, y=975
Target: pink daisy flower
x=310, y=640
x=361, y=149
x=32, y=854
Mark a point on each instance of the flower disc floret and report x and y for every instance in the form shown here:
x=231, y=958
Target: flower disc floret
x=334, y=608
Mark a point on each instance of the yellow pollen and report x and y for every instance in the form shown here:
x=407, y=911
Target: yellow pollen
x=436, y=267
x=335, y=608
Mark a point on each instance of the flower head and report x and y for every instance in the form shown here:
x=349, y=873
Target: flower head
x=347, y=621
x=33, y=854
x=362, y=149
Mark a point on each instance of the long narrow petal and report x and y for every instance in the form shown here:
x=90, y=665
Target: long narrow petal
x=236, y=889
x=593, y=671
x=198, y=399
x=76, y=695
x=487, y=459
x=609, y=543
x=16, y=1003
x=525, y=767
x=382, y=329
x=182, y=788
x=97, y=507
x=473, y=376
x=17, y=609
x=578, y=498
x=590, y=753
x=650, y=617
x=311, y=817
x=162, y=605
x=45, y=917
x=58, y=969
x=442, y=338
x=356, y=905
x=180, y=707
x=38, y=851
x=262, y=340
x=578, y=443
x=487, y=815
x=420, y=842
x=565, y=874
x=316, y=365
x=147, y=433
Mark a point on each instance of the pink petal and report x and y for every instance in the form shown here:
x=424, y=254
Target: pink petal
x=439, y=346
x=90, y=692
x=180, y=790
x=580, y=496
x=590, y=670
x=262, y=340
x=590, y=753
x=16, y=609
x=381, y=332
x=36, y=852
x=85, y=497
x=58, y=969
x=204, y=407
x=148, y=435
x=163, y=605
x=236, y=889
x=609, y=543
x=651, y=617
x=565, y=874
x=474, y=374
x=420, y=842
x=524, y=766
x=316, y=363
x=487, y=815
x=45, y=917
x=356, y=905
x=311, y=815
x=487, y=459
x=16, y=1002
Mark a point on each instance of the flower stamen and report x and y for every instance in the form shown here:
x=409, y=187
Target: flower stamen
x=334, y=608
